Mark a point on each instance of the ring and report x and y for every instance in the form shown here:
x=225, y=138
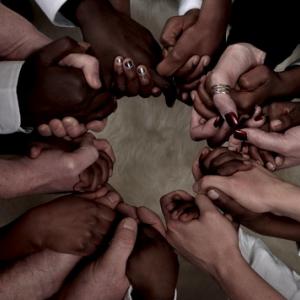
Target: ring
x=220, y=89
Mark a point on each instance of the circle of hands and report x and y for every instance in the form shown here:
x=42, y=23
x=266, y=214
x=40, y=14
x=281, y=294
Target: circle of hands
x=231, y=183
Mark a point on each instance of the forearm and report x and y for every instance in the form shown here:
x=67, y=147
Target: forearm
x=240, y=282
x=276, y=226
x=18, y=37
x=37, y=277
x=289, y=203
x=18, y=178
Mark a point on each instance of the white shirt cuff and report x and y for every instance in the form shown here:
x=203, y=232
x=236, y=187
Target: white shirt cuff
x=51, y=9
x=10, y=118
x=186, y=5
x=128, y=295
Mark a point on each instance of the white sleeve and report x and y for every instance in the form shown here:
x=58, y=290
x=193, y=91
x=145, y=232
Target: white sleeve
x=51, y=9
x=10, y=118
x=186, y=5
x=128, y=294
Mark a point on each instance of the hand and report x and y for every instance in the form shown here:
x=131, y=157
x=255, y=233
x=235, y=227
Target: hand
x=70, y=224
x=285, y=145
x=63, y=91
x=201, y=39
x=235, y=61
x=257, y=189
x=152, y=280
x=220, y=161
x=207, y=241
x=118, y=35
x=83, y=169
x=69, y=128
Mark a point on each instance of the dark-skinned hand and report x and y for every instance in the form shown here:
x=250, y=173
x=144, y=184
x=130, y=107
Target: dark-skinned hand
x=118, y=35
x=47, y=91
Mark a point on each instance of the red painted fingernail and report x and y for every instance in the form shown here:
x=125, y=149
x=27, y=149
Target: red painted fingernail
x=218, y=122
x=240, y=135
x=232, y=119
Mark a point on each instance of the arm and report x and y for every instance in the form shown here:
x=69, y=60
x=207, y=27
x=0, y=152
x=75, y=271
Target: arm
x=18, y=37
x=239, y=281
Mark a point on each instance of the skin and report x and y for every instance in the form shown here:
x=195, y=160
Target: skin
x=46, y=80
x=211, y=24
x=218, y=239
x=51, y=226
x=83, y=168
x=127, y=39
x=149, y=279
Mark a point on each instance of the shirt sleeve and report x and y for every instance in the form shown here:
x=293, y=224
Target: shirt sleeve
x=10, y=118
x=128, y=294
x=186, y=5
x=51, y=9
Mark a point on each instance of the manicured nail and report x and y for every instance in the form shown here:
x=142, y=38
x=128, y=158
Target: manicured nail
x=240, y=135
x=129, y=64
x=213, y=195
x=119, y=60
x=129, y=224
x=141, y=71
x=232, y=119
x=218, y=122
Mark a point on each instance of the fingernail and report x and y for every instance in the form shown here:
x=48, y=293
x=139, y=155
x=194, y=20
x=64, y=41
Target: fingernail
x=276, y=124
x=129, y=224
x=113, y=198
x=232, y=119
x=240, y=135
x=195, y=61
x=129, y=64
x=218, y=122
x=213, y=195
x=141, y=71
x=278, y=161
x=193, y=96
x=184, y=96
x=270, y=166
x=119, y=60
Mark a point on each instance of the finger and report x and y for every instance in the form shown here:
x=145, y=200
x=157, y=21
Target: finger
x=111, y=200
x=57, y=128
x=131, y=77
x=89, y=66
x=144, y=75
x=255, y=154
x=44, y=130
x=221, y=136
x=205, y=97
x=196, y=170
x=205, y=163
x=73, y=128
x=198, y=71
x=147, y=216
x=128, y=210
x=204, y=204
x=188, y=67
x=96, y=126
x=253, y=79
x=233, y=166
x=268, y=160
x=200, y=107
x=170, y=33
x=116, y=256
x=271, y=141
x=105, y=146
x=200, y=128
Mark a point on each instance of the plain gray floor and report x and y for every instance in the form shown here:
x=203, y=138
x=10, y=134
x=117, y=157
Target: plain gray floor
x=154, y=155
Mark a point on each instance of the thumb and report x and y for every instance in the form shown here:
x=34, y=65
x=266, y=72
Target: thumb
x=57, y=50
x=272, y=141
x=254, y=78
x=204, y=204
x=176, y=58
x=122, y=244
